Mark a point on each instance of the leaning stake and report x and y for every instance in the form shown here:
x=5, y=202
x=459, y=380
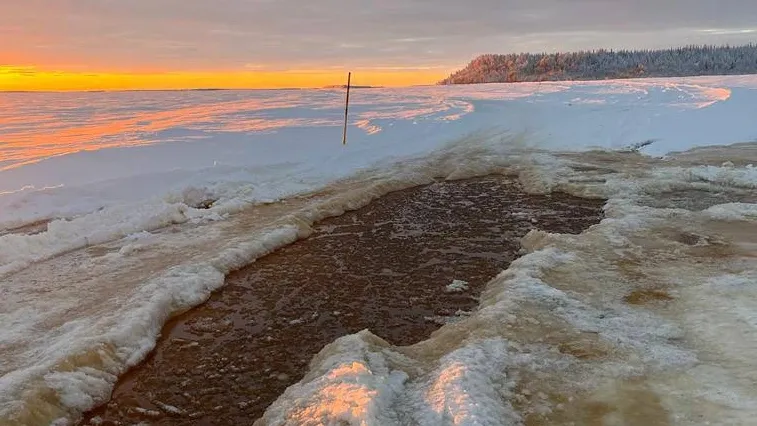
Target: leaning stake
x=346, y=109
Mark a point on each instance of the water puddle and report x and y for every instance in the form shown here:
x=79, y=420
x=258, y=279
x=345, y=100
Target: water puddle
x=402, y=267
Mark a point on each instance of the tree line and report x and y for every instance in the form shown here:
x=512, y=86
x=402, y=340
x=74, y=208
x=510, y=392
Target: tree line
x=608, y=64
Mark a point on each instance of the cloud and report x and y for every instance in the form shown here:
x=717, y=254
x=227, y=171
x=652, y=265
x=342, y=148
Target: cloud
x=17, y=71
x=732, y=31
x=229, y=34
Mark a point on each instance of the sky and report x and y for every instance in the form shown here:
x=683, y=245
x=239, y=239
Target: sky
x=101, y=44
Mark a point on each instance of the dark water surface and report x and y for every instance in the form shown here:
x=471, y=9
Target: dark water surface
x=384, y=267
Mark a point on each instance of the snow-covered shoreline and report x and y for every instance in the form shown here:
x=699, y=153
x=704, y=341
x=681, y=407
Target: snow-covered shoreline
x=108, y=150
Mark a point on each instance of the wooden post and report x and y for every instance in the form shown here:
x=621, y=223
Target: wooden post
x=346, y=109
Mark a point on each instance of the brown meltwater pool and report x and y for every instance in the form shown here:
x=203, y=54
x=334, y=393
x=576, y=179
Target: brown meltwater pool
x=385, y=267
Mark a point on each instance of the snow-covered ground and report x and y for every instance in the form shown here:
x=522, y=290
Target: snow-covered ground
x=123, y=179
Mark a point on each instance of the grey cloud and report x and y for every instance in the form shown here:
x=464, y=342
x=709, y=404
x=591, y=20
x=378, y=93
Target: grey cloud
x=231, y=33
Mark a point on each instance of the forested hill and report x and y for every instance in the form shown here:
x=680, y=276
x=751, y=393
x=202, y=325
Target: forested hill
x=608, y=64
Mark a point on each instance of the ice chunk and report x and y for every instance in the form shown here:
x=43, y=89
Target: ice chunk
x=457, y=286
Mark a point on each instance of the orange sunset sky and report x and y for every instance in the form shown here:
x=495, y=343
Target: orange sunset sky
x=175, y=44
x=38, y=79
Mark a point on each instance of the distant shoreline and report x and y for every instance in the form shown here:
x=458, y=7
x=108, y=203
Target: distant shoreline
x=691, y=61
x=566, y=80
x=210, y=89
x=344, y=86
x=337, y=86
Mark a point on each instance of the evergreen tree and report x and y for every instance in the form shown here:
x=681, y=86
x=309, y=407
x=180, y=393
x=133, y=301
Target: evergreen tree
x=609, y=64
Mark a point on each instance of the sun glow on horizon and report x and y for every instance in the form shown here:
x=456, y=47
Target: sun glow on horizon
x=32, y=79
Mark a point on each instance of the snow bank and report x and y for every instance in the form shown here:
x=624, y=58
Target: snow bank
x=359, y=379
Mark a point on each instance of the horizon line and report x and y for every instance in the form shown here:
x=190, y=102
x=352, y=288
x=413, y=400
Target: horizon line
x=222, y=89
x=34, y=79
